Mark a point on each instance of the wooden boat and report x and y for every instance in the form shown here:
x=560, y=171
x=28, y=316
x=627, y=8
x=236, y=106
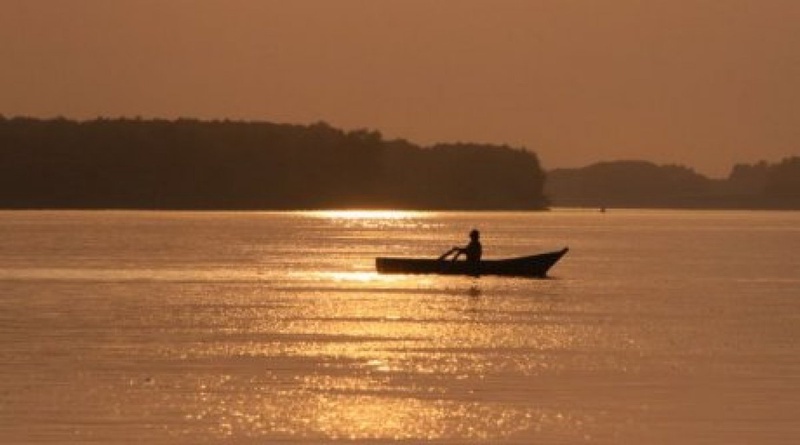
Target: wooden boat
x=526, y=266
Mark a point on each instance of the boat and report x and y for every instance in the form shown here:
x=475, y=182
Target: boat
x=526, y=266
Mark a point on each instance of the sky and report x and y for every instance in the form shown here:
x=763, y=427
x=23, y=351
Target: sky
x=702, y=83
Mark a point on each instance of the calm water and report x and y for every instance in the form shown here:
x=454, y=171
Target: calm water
x=659, y=327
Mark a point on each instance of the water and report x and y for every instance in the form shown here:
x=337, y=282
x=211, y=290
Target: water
x=659, y=327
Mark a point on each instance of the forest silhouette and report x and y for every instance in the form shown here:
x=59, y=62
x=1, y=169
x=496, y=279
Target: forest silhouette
x=644, y=184
x=192, y=164
x=189, y=164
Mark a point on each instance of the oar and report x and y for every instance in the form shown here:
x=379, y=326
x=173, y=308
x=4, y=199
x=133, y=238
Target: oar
x=446, y=254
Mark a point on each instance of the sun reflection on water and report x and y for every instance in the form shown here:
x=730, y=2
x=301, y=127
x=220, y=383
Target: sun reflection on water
x=360, y=277
x=367, y=214
x=327, y=409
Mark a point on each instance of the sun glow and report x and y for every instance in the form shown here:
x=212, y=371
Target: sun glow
x=360, y=277
x=367, y=214
x=365, y=278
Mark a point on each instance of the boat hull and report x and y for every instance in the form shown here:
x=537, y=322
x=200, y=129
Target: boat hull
x=527, y=266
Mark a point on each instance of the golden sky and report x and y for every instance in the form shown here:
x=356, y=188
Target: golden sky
x=705, y=83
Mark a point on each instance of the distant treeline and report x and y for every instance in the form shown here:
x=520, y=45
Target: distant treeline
x=191, y=164
x=644, y=184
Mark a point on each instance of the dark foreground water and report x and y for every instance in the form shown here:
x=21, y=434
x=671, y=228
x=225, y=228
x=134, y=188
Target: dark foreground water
x=659, y=327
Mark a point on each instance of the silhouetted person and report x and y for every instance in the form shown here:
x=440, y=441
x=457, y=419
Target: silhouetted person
x=473, y=250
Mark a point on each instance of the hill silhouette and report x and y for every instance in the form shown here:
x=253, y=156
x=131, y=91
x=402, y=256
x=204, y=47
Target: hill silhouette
x=644, y=184
x=192, y=164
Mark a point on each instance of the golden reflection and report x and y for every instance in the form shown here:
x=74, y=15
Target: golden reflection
x=369, y=279
x=367, y=214
x=397, y=368
x=357, y=277
x=359, y=417
x=348, y=413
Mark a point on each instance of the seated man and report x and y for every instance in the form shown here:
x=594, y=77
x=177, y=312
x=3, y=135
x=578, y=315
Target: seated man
x=473, y=250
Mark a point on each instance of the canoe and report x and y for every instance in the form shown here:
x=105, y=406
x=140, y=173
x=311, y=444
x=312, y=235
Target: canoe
x=526, y=266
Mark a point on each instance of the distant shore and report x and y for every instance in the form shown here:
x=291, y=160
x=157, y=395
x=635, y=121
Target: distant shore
x=222, y=165
x=642, y=184
x=188, y=164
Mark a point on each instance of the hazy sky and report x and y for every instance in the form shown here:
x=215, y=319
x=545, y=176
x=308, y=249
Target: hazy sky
x=705, y=83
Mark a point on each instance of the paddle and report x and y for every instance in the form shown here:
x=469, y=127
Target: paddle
x=448, y=253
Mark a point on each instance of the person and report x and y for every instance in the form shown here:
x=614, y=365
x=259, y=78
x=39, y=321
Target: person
x=473, y=250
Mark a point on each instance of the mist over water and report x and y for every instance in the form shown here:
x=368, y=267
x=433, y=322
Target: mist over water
x=657, y=327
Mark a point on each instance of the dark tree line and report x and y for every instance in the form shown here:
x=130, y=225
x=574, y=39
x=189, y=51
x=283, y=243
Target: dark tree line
x=644, y=184
x=780, y=181
x=191, y=164
x=624, y=184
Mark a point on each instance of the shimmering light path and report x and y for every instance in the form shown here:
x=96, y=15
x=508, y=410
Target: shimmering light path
x=658, y=328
